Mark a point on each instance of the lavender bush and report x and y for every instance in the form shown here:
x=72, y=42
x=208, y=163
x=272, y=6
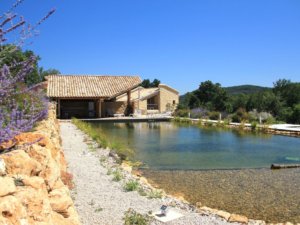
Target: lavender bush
x=199, y=113
x=20, y=106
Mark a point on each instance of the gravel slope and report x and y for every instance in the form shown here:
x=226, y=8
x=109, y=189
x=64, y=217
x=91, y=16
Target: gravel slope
x=99, y=200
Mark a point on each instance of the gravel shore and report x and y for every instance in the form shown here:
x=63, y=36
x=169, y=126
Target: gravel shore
x=100, y=200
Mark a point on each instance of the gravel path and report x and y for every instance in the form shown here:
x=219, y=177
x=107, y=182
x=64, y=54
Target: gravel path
x=100, y=200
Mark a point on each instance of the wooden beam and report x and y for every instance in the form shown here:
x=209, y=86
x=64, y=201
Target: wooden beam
x=128, y=97
x=58, y=108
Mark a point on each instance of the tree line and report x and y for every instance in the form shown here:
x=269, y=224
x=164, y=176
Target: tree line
x=14, y=55
x=280, y=103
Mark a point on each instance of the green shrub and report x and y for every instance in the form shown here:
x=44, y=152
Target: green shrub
x=226, y=122
x=241, y=126
x=134, y=218
x=117, y=175
x=214, y=115
x=182, y=113
x=220, y=124
x=200, y=123
x=285, y=114
x=182, y=120
x=270, y=120
x=209, y=124
x=185, y=120
x=253, y=125
x=176, y=119
x=155, y=194
x=142, y=192
x=131, y=185
x=240, y=116
x=109, y=171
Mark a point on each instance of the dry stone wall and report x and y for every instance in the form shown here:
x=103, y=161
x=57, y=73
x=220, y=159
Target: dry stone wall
x=32, y=191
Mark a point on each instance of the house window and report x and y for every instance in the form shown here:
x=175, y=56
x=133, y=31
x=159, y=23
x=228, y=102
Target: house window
x=152, y=104
x=151, y=101
x=174, y=102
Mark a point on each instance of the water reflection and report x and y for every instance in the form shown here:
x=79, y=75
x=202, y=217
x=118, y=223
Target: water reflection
x=164, y=145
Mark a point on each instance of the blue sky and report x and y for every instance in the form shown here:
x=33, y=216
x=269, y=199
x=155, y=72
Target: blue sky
x=180, y=42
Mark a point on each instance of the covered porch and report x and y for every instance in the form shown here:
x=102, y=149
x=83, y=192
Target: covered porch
x=90, y=108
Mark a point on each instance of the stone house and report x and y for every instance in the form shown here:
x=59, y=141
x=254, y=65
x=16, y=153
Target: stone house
x=160, y=99
x=90, y=96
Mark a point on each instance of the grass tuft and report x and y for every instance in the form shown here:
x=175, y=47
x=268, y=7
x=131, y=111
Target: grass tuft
x=142, y=192
x=109, y=171
x=99, y=209
x=134, y=218
x=131, y=185
x=117, y=175
x=155, y=194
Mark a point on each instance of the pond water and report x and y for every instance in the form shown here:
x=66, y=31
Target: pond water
x=224, y=169
x=166, y=145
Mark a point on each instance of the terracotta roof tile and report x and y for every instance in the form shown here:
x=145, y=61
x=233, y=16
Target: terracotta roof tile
x=75, y=86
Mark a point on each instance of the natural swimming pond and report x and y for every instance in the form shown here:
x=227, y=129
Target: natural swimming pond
x=224, y=169
x=166, y=145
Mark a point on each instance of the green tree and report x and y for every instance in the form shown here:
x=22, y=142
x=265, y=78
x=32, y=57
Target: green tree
x=291, y=94
x=212, y=95
x=147, y=84
x=184, y=101
x=288, y=91
x=43, y=73
x=265, y=101
x=238, y=101
x=289, y=97
x=155, y=83
x=295, y=116
x=14, y=56
x=194, y=101
x=280, y=85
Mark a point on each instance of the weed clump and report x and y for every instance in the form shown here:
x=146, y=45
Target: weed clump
x=131, y=185
x=134, y=218
x=117, y=175
x=155, y=194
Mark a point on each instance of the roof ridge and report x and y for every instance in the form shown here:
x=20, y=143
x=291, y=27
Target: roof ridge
x=88, y=86
x=92, y=75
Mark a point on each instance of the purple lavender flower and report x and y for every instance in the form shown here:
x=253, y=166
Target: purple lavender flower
x=20, y=106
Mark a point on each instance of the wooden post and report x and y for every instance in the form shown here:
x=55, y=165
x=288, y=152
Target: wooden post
x=99, y=109
x=129, y=107
x=58, y=109
x=128, y=97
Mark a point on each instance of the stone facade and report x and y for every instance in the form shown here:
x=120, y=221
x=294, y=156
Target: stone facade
x=32, y=191
x=160, y=99
x=110, y=108
x=168, y=98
